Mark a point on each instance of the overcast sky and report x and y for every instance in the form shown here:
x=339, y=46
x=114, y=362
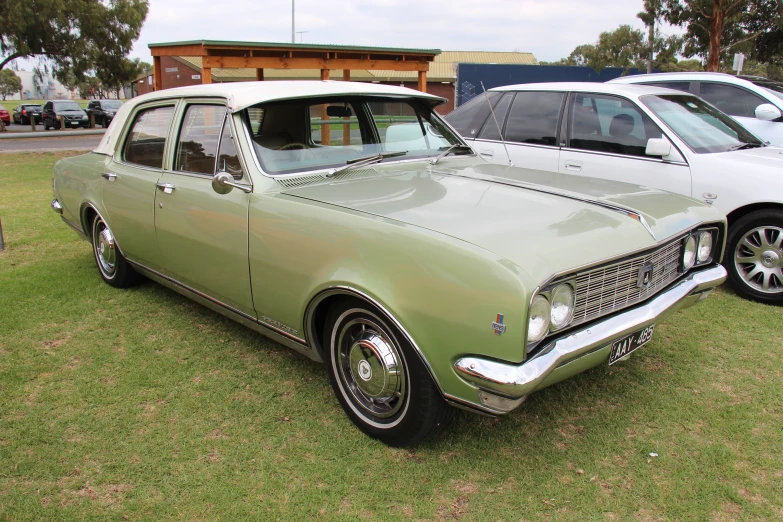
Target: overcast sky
x=550, y=29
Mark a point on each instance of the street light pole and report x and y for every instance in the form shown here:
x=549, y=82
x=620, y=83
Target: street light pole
x=293, y=25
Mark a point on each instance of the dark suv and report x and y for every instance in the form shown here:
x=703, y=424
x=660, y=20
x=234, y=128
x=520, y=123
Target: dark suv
x=22, y=114
x=73, y=115
x=103, y=110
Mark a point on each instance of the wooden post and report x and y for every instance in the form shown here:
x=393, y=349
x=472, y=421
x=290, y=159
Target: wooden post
x=206, y=75
x=62, y=122
x=157, y=81
x=259, y=75
x=346, y=126
x=32, y=121
x=326, y=131
x=423, y=81
x=92, y=120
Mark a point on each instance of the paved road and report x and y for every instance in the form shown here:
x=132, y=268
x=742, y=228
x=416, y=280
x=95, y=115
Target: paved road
x=50, y=144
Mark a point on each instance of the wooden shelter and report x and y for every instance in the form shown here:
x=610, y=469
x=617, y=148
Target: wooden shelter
x=268, y=55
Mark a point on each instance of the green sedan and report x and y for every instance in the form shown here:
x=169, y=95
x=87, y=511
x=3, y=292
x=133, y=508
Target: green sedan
x=348, y=222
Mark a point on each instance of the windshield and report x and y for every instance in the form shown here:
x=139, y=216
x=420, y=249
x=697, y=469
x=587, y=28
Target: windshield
x=67, y=106
x=314, y=133
x=111, y=104
x=703, y=127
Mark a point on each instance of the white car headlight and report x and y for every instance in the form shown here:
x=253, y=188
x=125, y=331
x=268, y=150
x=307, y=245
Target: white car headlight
x=538, y=322
x=562, y=306
x=705, y=247
x=689, y=253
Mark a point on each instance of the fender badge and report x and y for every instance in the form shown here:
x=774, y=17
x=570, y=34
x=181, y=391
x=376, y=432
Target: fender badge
x=498, y=325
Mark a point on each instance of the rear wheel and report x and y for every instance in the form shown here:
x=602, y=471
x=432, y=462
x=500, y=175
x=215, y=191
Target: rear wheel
x=754, y=256
x=379, y=380
x=113, y=267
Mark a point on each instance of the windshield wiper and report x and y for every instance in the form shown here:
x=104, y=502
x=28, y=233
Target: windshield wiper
x=366, y=160
x=745, y=146
x=449, y=150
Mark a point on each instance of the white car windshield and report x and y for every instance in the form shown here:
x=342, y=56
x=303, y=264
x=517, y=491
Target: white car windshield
x=703, y=127
x=313, y=133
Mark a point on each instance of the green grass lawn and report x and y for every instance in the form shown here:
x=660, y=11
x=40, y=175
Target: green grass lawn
x=141, y=405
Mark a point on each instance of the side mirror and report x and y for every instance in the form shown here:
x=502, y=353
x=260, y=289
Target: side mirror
x=223, y=183
x=658, y=147
x=767, y=112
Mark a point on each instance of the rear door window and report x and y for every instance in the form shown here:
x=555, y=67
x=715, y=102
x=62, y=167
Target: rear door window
x=734, y=101
x=146, y=140
x=495, y=121
x=534, y=117
x=469, y=118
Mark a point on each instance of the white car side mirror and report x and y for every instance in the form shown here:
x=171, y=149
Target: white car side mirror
x=658, y=147
x=767, y=112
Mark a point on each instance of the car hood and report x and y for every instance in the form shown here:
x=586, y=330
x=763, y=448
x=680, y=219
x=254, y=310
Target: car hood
x=545, y=228
x=770, y=156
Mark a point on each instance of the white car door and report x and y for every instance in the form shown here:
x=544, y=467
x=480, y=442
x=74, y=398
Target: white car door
x=741, y=105
x=607, y=138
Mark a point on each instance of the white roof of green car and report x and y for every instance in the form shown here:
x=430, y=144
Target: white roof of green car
x=240, y=95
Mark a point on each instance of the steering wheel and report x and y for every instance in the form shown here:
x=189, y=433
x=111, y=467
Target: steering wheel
x=294, y=145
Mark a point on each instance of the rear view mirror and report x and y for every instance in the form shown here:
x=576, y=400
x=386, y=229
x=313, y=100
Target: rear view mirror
x=658, y=147
x=338, y=111
x=767, y=112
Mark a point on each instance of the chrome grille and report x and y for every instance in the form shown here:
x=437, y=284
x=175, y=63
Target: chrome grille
x=603, y=290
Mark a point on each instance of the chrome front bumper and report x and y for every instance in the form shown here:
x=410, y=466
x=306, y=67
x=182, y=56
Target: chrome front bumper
x=57, y=207
x=511, y=382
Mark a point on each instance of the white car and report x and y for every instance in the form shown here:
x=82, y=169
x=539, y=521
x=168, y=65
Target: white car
x=755, y=102
x=649, y=136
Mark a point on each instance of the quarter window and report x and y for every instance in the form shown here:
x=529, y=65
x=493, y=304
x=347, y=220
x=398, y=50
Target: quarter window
x=533, y=118
x=731, y=100
x=198, y=139
x=469, y=118
x=228, y=159
x=610, y=124
x=147, y=138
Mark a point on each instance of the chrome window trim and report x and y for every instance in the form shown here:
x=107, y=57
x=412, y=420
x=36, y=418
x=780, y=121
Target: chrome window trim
x=185, y=104
x=518, y=144
x=627, y=156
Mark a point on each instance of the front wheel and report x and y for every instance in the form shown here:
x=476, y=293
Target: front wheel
x=379, y=380
x=113, y=267
x=754, y=256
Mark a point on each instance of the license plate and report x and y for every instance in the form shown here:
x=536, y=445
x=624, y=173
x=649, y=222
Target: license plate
x=74, y=123
x=630, y=343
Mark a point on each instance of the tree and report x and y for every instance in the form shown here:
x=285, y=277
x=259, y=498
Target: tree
x=116, y=74
x=650, y=16
x=9, y=83
x=69, y=36
x=714, y=27
x=624, y=47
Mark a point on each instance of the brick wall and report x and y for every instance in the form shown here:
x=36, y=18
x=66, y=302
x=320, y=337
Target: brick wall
x=177, y=74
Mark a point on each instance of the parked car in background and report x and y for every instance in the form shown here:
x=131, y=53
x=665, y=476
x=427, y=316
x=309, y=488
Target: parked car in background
x=73, y=115
x=103, y=111
x=755, y=102
x=349, y=223
x=4, y=116
x=23, y=113
x=650, y=136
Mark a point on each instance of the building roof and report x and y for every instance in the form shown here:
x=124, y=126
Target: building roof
x=240, y=95
x=298, y=46
x=443, y=68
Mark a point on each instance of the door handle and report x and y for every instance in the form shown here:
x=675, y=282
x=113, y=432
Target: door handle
x=573, y=165
x=167, y=188
x=109, y=175
x=487, y=152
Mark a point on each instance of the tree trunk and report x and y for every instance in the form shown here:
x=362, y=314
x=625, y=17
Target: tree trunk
x=716, y=32
x=651, y=39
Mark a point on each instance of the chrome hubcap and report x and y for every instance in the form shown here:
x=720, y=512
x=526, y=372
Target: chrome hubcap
x=105, y=252
x=758, y=259
x=371, y=367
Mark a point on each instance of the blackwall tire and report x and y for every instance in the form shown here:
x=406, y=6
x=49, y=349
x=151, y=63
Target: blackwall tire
x=379, y=380
x=754, y=256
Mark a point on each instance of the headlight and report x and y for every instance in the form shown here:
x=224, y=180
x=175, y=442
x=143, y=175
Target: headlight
x=689, y=253
x=705, y=247
x=538, y=323
x=562, y=306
